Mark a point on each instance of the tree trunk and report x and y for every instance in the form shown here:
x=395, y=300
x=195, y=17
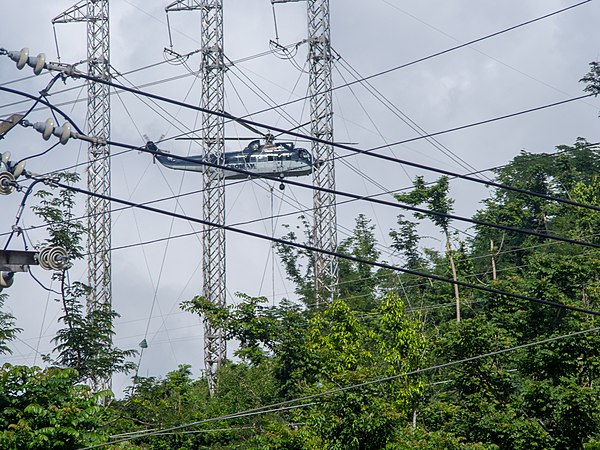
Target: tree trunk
x=456, y=294
x=493, y=260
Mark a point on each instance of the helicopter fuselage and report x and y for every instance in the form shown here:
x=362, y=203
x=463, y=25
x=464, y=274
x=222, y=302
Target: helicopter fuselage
x=280, y=160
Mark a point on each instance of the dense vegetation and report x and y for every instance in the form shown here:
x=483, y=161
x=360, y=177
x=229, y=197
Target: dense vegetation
x=396, y=361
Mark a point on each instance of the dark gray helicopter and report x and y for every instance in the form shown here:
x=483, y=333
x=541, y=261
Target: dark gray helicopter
x=271, y=159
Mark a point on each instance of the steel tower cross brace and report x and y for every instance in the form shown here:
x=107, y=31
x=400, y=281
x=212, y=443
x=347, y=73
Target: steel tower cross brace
x=213, y=197
x=96, y=14
x=321, y=110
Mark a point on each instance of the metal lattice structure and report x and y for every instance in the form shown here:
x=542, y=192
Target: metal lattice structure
x=96, y=14
x=321, y=110
x=213, y=240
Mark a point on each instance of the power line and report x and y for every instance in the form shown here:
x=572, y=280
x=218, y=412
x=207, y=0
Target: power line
x=374, y=200
x=412, y=208
x=306, y=210
x=369, y=151
x=274, y=407
x=347, y=147
x=377, y=201
x=425, y=58
x=404, y=117
x=229, y=416
x=354, y=196
x=149, y=66
x=387, y=203
x=331, y=253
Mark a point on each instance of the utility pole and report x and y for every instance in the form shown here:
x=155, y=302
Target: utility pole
x=321, y=112
x=96, y=15
x=213, y=196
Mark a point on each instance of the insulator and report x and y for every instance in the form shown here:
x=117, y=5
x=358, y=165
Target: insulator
x=20, y=57
x=63, y=132
x=6, y=279
x=5, y=157
x=38, y=63
x=7, y=181
x=18, y=169
x=46, y=128
x=53, y=258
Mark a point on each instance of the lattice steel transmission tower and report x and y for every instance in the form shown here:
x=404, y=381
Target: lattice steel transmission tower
x=96, y=14
x=213, y=239
x=321, y=112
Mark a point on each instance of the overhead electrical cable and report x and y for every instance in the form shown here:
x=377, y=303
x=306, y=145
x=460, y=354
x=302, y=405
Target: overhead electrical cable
x=480, y=39
x=306, y=210
x=373, y=200
x=328, y=252
x=163, y=431
x=404, y=117
x=149, y=84
x=374, y=125
x=531, y=77
x=370, y=151
x=274, y=407
x=387, y=203
x=425, y=58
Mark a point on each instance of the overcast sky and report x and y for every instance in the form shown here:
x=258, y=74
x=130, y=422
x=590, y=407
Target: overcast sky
x=529, y=67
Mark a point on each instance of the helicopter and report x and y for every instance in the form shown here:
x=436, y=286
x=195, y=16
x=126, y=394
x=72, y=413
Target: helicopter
x=268, y=159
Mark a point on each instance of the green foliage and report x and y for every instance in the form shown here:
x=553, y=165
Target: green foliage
x=359, y=281
x=85, y=344
x=64, y=229
x=592, y=79
x=347, y=352
x=539, y=397
x=46, y=409
x=8, y=331
x=299, y=263
x=405, y=240
x=434, y=197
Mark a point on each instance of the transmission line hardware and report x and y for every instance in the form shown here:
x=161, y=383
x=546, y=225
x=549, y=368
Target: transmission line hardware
x=52, y=258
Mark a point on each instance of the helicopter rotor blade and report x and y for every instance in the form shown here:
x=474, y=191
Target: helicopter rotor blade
x=295, y=128
x=246, y=138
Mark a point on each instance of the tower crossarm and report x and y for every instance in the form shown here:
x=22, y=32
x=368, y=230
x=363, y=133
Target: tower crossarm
x=184, y=5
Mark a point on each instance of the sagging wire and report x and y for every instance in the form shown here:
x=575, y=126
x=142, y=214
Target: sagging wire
x=283, y=52
x=37, y=155
x=43, y=94
x=42, y=284
x=15, y=228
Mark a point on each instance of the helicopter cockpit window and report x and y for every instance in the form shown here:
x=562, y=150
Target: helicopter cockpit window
x=270, y=158
x=254, y=145
x=303, y=154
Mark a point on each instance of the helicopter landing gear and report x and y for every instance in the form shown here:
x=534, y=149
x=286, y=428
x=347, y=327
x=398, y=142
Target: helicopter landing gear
x=282, y=186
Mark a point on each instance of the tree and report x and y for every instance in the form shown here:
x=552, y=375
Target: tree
x=358, y=281
x=436, y=198
x=299, y=263
x=86, y=342
x=8, y=331
x=540, y=397
x=348, y=351
x=46, y=409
